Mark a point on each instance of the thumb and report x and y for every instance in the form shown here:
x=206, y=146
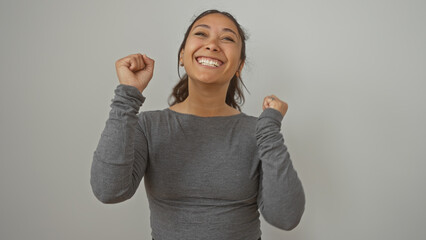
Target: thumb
x=149, y=63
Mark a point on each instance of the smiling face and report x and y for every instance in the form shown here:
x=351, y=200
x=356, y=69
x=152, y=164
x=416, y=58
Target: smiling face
x=212, y=52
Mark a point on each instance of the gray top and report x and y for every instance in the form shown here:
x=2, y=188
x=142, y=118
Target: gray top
x=205, y=177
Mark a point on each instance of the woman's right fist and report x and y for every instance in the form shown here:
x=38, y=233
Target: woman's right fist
x=135, y=70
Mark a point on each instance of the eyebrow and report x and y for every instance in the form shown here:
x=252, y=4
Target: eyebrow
x=225, y=29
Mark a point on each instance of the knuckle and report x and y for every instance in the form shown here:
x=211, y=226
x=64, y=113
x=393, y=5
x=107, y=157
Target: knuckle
x=118, y=63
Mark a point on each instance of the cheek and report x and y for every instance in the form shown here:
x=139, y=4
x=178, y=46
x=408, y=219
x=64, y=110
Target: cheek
x=192, y=43
x=235, y=62
x=234, y=55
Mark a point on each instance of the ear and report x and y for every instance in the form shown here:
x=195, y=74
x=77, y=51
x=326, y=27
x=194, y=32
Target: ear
x=181, y=58
x=240, y=68
x=181, y=54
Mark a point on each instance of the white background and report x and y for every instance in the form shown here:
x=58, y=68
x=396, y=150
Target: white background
x=353, y=73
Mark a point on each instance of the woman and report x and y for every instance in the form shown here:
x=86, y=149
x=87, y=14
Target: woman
x=207, y=167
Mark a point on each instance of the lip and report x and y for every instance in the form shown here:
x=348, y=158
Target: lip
x=210, y=58
x=222, y=62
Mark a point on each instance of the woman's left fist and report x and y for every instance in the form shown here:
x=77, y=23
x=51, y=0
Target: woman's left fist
x=272, y=101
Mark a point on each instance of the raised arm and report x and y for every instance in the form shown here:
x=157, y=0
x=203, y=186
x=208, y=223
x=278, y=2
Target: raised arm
x=281, y=198
x=121, y=156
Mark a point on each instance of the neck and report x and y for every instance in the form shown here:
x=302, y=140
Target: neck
x=206, y=100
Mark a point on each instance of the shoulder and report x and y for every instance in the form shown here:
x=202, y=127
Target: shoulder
x=247, y=125
x=146, y=119
x=248, y=119
x=153, y=116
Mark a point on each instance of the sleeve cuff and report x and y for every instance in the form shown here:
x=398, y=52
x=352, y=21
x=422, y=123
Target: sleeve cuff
x=131, y=91
x=272, y=113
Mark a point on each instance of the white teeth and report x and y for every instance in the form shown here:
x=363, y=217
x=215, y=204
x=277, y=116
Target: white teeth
x=208, y=62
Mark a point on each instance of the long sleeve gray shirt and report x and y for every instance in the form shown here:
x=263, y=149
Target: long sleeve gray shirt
x=205, y=177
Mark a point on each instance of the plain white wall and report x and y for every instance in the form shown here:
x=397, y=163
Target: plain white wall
x=353, y=73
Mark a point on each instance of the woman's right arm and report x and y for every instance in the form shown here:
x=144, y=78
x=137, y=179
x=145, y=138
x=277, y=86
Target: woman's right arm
x=121, y=157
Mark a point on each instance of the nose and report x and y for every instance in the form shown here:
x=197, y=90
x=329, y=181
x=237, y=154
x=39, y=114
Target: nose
x=212, y=46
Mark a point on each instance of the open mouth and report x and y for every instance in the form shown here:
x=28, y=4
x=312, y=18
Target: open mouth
x=211, y=62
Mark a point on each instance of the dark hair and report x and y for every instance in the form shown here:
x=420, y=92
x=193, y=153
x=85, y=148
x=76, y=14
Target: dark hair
x=234, y=95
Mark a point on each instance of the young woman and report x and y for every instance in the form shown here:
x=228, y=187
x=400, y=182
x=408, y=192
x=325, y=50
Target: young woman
x=207, y=167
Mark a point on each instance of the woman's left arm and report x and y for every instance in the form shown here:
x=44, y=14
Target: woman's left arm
x=281, y=198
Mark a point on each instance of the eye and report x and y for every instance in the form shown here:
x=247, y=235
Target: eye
x=200, y=34
x=229, y=39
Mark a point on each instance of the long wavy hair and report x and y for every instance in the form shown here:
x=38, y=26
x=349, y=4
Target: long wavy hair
x=234, y=95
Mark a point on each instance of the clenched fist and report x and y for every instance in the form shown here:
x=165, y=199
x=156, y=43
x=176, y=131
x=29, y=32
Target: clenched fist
x=273, y=102
x=135, y=70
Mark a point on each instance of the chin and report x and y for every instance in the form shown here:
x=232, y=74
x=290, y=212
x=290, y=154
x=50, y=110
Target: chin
x=208, y=79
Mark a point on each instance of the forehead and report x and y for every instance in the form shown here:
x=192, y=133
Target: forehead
x=216, y=20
